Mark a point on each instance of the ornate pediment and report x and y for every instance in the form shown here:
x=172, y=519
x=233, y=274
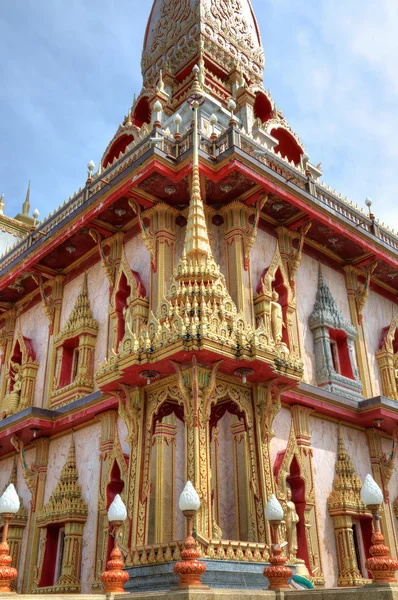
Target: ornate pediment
x=80, y=319
x=66, y=503
x=327, y=313
x=345, y=497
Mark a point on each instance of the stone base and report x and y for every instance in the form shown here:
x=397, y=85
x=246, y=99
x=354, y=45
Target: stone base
x=220, y=574
x=368, y=592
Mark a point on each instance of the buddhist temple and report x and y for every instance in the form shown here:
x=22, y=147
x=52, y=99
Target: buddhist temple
x=204, y=308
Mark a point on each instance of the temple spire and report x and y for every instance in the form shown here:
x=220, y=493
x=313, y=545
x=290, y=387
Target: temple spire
x=26, y=204
x=196, y=237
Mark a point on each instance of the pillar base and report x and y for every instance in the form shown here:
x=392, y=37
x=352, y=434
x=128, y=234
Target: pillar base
x=114, y=577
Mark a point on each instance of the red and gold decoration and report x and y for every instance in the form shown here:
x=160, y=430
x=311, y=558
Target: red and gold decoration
x=114, y=577
x=9, y=506
x=189, y=569
x=277, y=574
x=167, y=305
x=381, y=565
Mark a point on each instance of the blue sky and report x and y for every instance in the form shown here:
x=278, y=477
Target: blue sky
x=69, y=70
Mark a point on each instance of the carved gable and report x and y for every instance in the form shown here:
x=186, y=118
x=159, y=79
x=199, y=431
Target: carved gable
x=334, y=338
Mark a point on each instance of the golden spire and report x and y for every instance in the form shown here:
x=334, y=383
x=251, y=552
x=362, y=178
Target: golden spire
x=196, y=237
x=26, y=204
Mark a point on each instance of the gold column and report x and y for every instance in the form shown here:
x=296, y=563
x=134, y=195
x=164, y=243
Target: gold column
x=10, y=319
x=131, y=404
x=268, y=402
x=349, y=574
x=357, y=296
x=162, y=218
x=57, y=296
x=72, y=555
x=377, y=458
x=197, y=386
x=237, y=235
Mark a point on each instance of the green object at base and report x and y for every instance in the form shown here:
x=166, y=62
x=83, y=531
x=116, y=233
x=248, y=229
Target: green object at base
x=303, y=581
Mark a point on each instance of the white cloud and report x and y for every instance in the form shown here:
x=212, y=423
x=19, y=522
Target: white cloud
x=335, y=68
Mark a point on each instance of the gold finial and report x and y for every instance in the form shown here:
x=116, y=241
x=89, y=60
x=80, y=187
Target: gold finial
x=196, y=87
x=129, y=121
x=161, y=82
x=26, y=204
x=2, y=204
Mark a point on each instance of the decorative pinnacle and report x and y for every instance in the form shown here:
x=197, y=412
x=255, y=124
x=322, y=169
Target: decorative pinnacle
x=26, y=204
x=196, y=87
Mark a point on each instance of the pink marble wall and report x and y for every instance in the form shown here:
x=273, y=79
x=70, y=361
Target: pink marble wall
x=356, y=444
x=87, y=459
x=324, y=444
x=98, y=293
x=71, y=292
x=34, y=324
x=377, y=314
x=226, y=487
x=139, y=260
x=57, y=455
x=282, y=425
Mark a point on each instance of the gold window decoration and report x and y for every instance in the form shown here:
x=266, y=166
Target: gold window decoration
x=74, y=348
